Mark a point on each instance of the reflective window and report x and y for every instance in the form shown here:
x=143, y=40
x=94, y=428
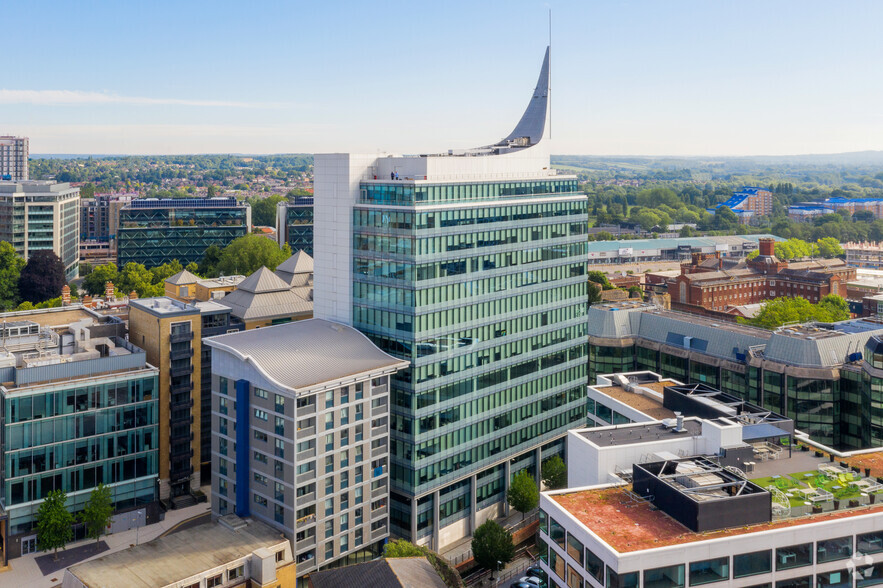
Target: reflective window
x=666, y=577
x=628, y=580
x=709, y=570
x=794, y=556
x=833, y=549
x=750, y=564
x=838, y=579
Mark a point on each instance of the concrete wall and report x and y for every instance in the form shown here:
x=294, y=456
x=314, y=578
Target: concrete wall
x=337, y=177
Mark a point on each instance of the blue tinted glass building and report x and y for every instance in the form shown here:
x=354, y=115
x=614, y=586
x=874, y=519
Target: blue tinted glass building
x=472, y=266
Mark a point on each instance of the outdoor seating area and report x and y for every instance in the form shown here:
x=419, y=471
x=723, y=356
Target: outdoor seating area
x=764, y=451
x=830, y=486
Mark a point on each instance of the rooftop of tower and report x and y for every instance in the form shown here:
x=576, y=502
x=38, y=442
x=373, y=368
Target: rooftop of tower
x=530, y=130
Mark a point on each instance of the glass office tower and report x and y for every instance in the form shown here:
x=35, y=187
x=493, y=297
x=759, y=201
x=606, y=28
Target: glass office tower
x=471, y=265
x=155, y=231
x=488, y=302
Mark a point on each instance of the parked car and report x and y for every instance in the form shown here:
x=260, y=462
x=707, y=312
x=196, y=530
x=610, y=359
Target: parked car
x=520, y=584
x=535, y=571
x=533, y=581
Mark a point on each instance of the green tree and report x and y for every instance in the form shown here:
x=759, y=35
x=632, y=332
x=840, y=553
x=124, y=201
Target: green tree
x=208, y=266
x=193, y=268
x=600, y=277
x=212, y=191
x=11, y=265
x=836, y=306
x=780, y=311
x=554, y=473
x=98, y=277
x=653, y=197
x=134, y=276
x=491, y=543
x=263, y=210
x=523, y=494
x=42, y=277
x=401, y=548
x=830, y=247
x=753, y=254
x=54, y=522
x=636, y=291
x=85, y=269
x=725, y=219
x=165, y=271
x=97, y=512
x=247, y=254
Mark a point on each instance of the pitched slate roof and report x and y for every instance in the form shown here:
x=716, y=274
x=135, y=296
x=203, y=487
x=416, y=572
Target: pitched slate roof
x=297, y=269
x=182, y=278
x=263, y=295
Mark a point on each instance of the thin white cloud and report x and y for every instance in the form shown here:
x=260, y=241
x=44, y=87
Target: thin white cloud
x=53, y=97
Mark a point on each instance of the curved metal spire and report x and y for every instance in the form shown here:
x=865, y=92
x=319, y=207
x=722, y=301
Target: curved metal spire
x=533, y=122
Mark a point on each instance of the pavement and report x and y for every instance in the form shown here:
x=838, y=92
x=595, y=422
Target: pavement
x=25, y=571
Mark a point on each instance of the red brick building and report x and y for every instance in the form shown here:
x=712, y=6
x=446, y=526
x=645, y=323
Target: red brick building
x=703, y=282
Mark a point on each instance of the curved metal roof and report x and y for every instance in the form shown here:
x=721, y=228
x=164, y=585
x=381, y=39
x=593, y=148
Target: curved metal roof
x=301, y=355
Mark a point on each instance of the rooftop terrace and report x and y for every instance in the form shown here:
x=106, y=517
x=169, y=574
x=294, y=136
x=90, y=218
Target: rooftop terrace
x=628, y=524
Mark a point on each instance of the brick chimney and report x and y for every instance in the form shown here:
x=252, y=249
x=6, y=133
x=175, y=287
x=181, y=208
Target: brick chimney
x=108, y=292
x=133, y=295
x=87, y=301
x=66, y=295
x=767, y=246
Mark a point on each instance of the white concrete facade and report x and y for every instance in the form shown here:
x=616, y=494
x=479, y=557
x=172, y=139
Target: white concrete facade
x=695, y=551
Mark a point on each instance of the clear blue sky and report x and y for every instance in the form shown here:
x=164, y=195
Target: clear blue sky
x=631, y=77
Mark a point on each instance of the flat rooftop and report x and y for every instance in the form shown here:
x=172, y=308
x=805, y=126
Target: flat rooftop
x=176, y=557
x=714, y=323
x=630, y=304
x=630, y=525
x=162, y=305
x=640, y=433
x=50, y=317
x=649, y=405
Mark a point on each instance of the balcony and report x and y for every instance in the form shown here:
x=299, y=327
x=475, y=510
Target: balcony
x=378, y=390
x=177, y=388
x=184, y=436
x=306, y=565
x=377, y=431
x=305, y=521
x=306, y=543
x=182, y=403
x=305, y=455
x=306, y=498
x=185, y=451
x=181, y=337
x=306, y=410
x=181, y=354
x=305, y=477
x=378, y=534
x=306, y=433
x=181, y=371
x=378, y=492
x=379, y=513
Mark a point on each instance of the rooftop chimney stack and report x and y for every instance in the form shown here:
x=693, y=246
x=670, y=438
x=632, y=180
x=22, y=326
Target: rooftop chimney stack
x=767, y=246
x=108, y=292
x=66, y=295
